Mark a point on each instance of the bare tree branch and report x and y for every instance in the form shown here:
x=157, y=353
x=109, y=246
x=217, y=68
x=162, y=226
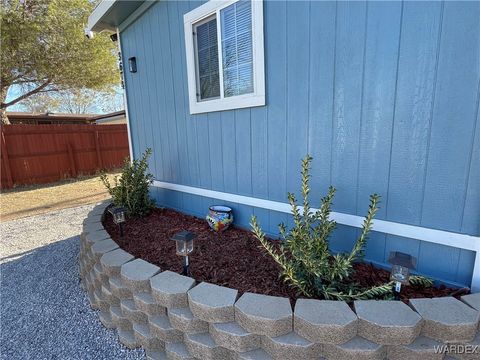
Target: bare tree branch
x=27, y=94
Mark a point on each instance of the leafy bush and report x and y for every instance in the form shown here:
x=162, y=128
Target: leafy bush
x=304, y=256
x=131, y=190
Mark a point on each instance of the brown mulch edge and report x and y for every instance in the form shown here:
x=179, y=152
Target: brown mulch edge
x=234, y=258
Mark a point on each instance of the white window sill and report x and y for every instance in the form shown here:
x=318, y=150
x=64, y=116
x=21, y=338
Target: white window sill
x=236, y=102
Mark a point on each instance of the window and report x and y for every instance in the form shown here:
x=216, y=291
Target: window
x=208, y=82
x=225, y=60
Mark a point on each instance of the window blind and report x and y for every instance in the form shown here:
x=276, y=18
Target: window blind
x=236, y=32
x=207, y=53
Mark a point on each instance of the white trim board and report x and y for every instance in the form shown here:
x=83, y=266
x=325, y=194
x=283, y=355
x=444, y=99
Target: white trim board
x=441, y=237
x=125, y=99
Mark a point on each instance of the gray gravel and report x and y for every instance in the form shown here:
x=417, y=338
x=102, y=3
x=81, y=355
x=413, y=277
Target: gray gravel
x=44, y=313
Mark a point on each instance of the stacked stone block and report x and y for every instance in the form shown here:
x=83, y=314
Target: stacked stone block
x=174, y=318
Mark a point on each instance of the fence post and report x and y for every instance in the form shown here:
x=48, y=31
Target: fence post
x=99, y=153
x=6, y=161
x=73, y=168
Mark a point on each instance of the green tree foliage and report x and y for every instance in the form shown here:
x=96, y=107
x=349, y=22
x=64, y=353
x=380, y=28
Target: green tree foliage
x=131, y=190
x=44, y=49
x=304, y=256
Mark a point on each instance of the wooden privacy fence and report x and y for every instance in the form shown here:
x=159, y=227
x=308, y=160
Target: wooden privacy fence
x=34, y=154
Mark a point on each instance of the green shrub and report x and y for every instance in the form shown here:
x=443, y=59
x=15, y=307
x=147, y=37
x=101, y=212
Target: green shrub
x=131, y=189
x=304, y=256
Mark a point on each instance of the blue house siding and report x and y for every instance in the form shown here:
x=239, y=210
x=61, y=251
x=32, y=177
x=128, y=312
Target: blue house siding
x=383, y=95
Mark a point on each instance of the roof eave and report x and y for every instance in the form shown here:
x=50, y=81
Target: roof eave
x=109, y=14
x=95, y=22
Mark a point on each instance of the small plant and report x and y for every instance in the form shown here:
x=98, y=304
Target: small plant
x=304, y=256
x=131, y=189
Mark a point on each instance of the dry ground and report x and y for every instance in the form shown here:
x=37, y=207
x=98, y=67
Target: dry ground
x=32, y=200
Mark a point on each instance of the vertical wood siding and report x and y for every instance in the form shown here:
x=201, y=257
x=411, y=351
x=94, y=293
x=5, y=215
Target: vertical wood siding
x=384, y=95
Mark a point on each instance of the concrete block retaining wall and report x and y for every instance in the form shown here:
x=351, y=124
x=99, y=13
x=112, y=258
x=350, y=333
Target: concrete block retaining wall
x=173, y=317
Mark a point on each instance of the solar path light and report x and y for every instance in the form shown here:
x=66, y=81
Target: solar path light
x=184, y=246
x=118, y=214
x=401, y=265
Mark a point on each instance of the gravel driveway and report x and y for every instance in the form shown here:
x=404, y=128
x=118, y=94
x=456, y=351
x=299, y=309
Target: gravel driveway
x=44, y=313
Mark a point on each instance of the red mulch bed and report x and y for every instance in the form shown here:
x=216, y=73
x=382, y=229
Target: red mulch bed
x=233, y=258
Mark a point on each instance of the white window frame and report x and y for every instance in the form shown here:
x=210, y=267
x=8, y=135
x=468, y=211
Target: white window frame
x=257, y=97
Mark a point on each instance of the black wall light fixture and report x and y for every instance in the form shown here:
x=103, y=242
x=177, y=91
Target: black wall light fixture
x=132, y=64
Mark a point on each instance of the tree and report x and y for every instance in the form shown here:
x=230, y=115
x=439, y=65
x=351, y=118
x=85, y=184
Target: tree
x=75, y=101
x=44, y=49
x=40, y=103
x=85, y=101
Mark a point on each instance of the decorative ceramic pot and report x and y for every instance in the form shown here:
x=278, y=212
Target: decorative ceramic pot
x=219, y=217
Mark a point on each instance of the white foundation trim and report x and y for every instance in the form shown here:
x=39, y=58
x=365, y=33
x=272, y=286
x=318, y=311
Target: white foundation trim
x=447, y=238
